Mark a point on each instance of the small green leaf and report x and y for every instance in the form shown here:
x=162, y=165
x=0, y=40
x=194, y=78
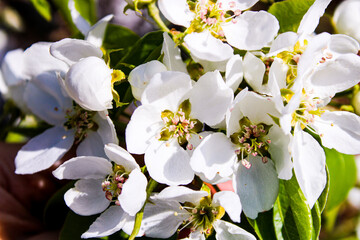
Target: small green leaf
x=289, y=13
x=292, y=215
x=118, y=37
x=87, y=9
x=342, y=173
x=43, y=7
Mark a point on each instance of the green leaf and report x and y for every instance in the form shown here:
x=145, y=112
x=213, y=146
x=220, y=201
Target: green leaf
x=118, y=37
x=143, y=48
x=262, y=225
x=342, y=172
x=62, y=6
x=292, y=215
x=43, y=8
x=289, y=13
x=87, y=9
x=75, y=225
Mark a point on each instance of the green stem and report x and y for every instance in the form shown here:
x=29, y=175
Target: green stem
x=139, y=216
x=155, y=15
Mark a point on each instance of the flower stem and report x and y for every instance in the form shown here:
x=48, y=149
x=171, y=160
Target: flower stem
x=155, y=15
x=139, y=216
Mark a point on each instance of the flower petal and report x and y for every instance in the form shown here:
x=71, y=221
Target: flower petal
x=283, y=42
x=234, y=72
x=180, y=194
x=339, y=130
x=215, y=155
x=309, y=165
x=239, y=4
x=84, y=167
x=106, y=128
x=218, y=97
x=169, y=164
x=78, y=20
x=172, y=55
x=73, y=50
x=87, y=197
x=177, y=12
x=12, y=67
x=133, y=194
x=254, y=70
x=252, y=30
x=121, y=157
x=230, y=201
x=228, y=231
x=257, y=186
x=97, y=32
x=89, y=83
x=91, y=145
x=109, y=222
x=43, y=150
x=346, y=18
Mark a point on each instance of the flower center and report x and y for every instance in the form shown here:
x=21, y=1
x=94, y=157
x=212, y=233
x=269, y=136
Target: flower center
x=179, y=125
x=202, y=216
x=308, y=109
x=113, y=183
x=80, y=120
x=210, y=15
x=251, y=139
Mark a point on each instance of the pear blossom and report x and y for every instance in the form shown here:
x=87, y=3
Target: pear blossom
x=346, y=18
x=254, y=152
x=179, y=207
x=118, y=183
x=45, y=98
x=140, y=76
x=171, y=115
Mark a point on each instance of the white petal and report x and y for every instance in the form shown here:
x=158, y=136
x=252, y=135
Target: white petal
x=121, y=157
x=336, y=76
x=177, y=12
x=133, y=194
x=169, y=164
x=218, y=97
x=91, y=145
x=109, y=222
x=43, y=150
x=235, y=114
x=257, y=187
x=234, y=72
x=230, y=201
x=227, y=231
x=309, y=165
x=87, y=197
x=45, y=100
x=252, y=31
x=106, y=128
x=12, y=67
x=166, y=90
x=346, y=18
x=78, y=20
x=37, y=60
x=311, y=18
x=339, y=130
x=342, y=44
x=97, y=32
x=215, y=155
x=144, y=125
x=254, y=70
x=239, y=4
x=172, y=55
x=209, y=51
x=89, y=83
x=160, y=220
x=280, y=152
x=84, y=167
x=73, y=50
x=140, y=76
x=283, y=42
x=180, y=194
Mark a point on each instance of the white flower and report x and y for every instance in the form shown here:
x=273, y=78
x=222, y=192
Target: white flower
x=171, y=114
x=254, y=152
x=140, y=76
x=101, y=183
x=180, y=207
x=89, y=79
x=45, y=98
x=347, y=18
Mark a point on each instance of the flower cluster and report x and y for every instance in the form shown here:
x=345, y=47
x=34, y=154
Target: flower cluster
x=227, y=99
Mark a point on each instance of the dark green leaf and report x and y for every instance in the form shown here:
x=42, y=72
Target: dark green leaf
x=342, y=173
x=43, y=7
x=292, y=215
x=289, y=13
x=87, y=10
x=118, y=37
x=263, y=225
x=75, y=226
